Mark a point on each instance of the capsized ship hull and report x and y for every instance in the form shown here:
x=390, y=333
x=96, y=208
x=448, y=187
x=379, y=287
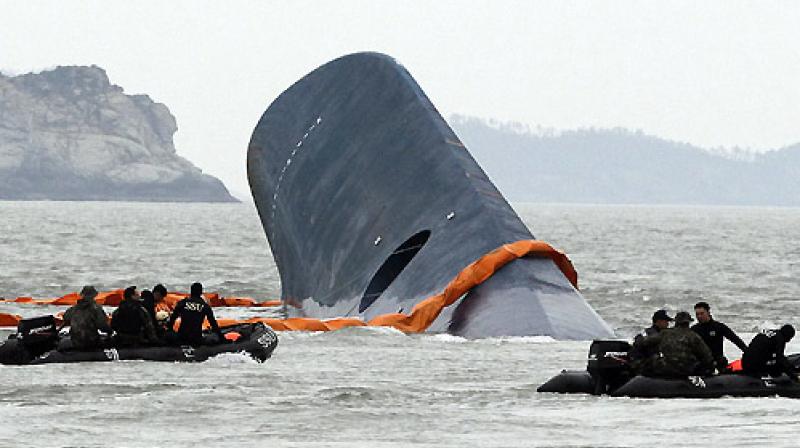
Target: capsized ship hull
x=371, y=203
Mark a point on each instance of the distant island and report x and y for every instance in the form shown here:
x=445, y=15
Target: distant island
x=618, y=166
x=69, y=134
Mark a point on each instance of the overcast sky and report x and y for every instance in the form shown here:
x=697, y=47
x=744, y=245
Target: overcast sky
x=714, y=73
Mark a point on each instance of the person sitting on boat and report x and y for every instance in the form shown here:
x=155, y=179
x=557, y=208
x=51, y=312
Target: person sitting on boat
x=149, y=304
x=764, y=355
x=192, y=311
x=713, y=331
x=681, y=352
x=85, y=318
x=661, y=320
x=638, y=355
x=159, y=296
x=132, y=323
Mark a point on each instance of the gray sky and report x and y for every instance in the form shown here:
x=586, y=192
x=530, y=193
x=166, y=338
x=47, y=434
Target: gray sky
x=710, y=73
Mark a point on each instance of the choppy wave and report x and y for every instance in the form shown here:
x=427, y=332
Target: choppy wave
x=366, y=387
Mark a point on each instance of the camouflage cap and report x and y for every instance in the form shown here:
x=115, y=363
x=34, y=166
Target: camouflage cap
x=88, y=291
x=682, y=317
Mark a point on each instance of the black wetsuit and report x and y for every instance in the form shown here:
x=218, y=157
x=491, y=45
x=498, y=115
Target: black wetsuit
x=765, y=355
x=640, y=356
x=192, y=311
x=150, y=306
x=712, y=333
x=133, y=324
x=649, y=331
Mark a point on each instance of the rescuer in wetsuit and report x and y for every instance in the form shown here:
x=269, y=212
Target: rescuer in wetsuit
x=764, y=355
x=132, y=322
x=712, y=332
x=640, y=357
x=681, y=352
x=192, y=311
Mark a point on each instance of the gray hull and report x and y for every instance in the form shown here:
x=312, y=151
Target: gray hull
x=371, y=204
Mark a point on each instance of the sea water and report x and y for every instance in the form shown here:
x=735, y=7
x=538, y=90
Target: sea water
x=369, y=387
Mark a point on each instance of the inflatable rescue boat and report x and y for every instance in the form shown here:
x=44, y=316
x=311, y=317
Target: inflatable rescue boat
x=608, y=373
x=37, y=342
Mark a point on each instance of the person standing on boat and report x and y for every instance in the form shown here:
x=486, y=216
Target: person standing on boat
x=192, y=311
x=85, y=318
x=681, y=352
x=638, y=355
x=130, y=320
x=764, y=355
x=712, y=332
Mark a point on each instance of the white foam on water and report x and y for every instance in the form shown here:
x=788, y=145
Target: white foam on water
x=768, y=325
x=388, y=331
x=227, y=359
x=519, y=340
x=446, y=338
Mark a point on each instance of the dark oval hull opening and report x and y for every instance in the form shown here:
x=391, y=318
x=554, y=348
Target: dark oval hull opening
x=392, y=267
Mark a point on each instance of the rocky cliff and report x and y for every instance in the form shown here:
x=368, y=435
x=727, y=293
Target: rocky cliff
x=69, y=134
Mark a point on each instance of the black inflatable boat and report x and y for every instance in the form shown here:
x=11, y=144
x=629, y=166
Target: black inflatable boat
x=607, y=374
x=36, y=342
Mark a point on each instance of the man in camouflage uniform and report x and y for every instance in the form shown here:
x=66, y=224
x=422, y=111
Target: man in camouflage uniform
x=85, y=318
x=681, y=352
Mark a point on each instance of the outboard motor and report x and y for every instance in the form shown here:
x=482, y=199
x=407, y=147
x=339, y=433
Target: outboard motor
x=37, y=335
x=608, y=364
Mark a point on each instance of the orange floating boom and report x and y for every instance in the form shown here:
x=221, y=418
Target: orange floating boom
x=114, y=297
x=418, y=320
x=425, y=312
x=9, y=320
